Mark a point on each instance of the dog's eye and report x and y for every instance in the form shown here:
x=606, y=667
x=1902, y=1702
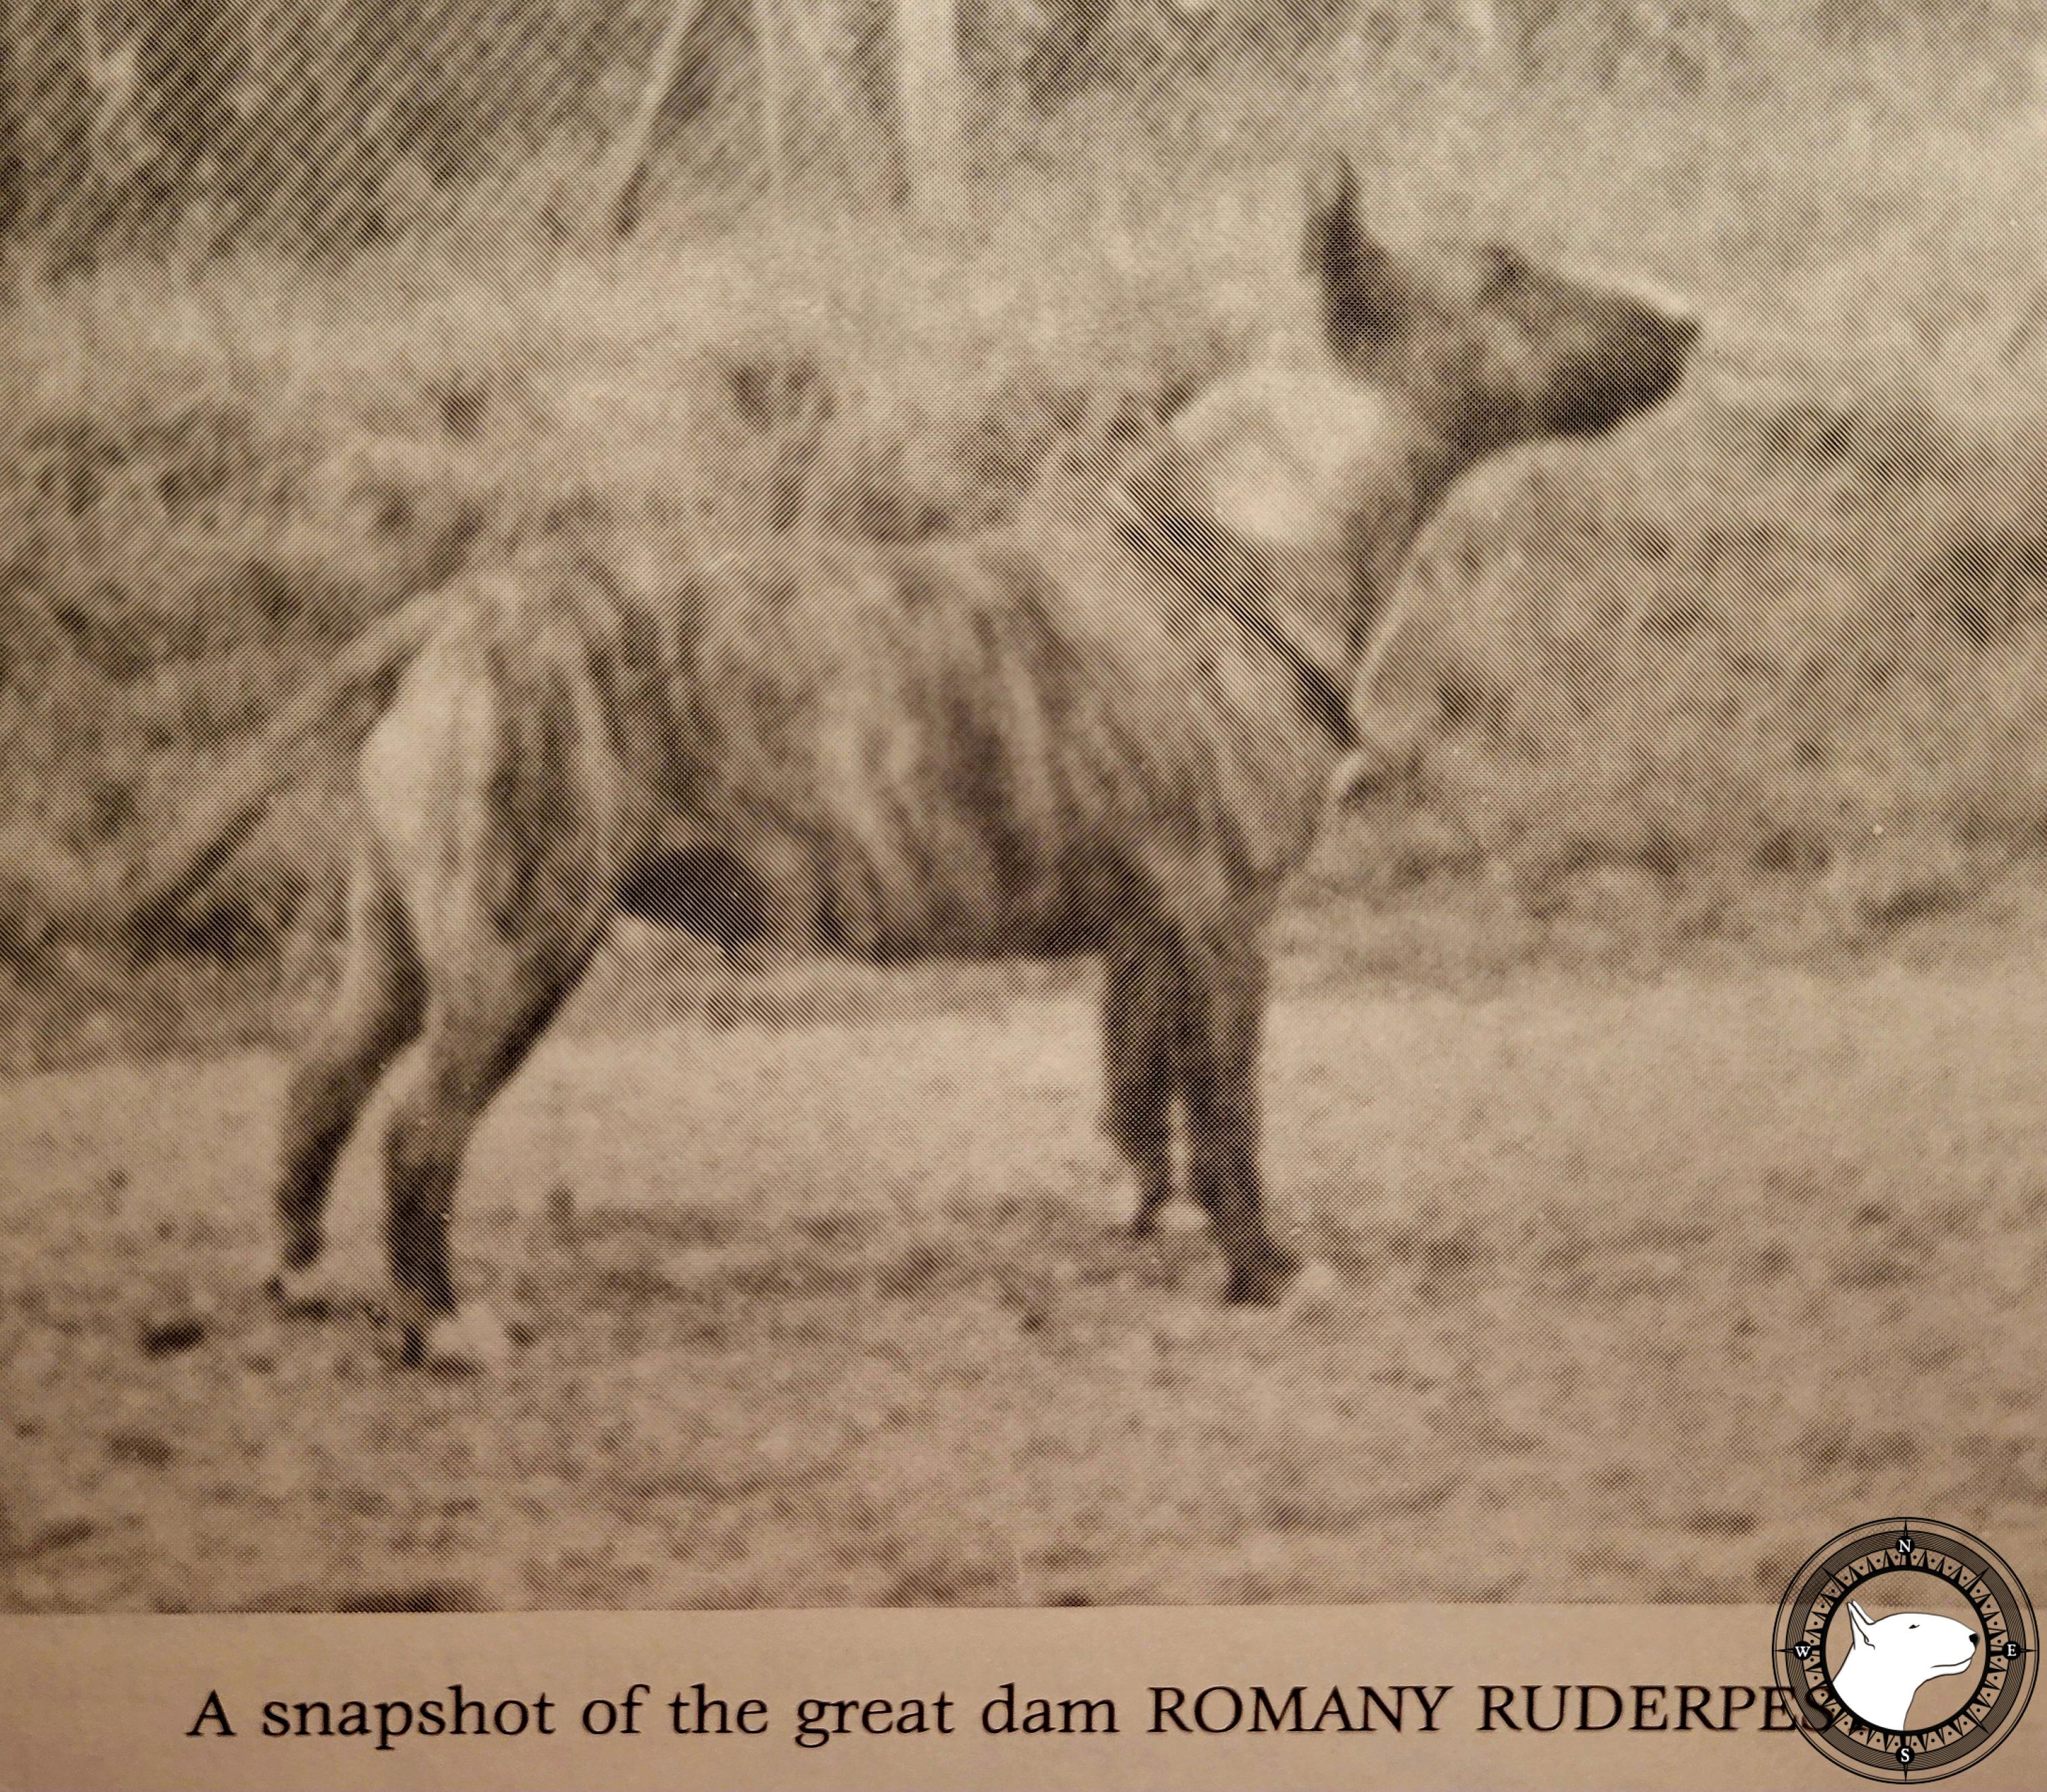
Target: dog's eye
x=1505, y=270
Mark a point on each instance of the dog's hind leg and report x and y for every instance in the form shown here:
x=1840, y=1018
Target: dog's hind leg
x=1140, y=1002
x=482, y=1023
x=493, y=784
x=1224, y=1023
x=376, y=1013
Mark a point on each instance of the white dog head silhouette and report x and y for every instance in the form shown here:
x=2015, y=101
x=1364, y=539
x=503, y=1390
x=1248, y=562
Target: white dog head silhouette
x=1890, y=1659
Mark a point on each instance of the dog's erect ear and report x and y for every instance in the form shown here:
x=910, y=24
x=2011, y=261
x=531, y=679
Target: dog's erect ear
x=1859, y=1622
x=1332, y=184
x=1363, y=300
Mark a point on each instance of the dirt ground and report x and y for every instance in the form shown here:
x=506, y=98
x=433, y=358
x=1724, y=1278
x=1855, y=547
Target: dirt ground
x=1638, y=1288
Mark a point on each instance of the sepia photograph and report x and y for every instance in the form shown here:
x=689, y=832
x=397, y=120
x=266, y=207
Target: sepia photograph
x=1027, y=803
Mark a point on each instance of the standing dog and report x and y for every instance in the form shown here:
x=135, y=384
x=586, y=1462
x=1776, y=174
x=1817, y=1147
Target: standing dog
x=1110, y=726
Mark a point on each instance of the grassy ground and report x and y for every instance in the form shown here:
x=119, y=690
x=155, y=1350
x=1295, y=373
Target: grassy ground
x=836, y=1315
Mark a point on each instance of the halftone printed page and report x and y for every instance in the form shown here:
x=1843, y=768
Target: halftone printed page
x=1104, y=893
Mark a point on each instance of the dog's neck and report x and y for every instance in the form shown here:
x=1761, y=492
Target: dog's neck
x=1869, y=1694
x=1292, y=500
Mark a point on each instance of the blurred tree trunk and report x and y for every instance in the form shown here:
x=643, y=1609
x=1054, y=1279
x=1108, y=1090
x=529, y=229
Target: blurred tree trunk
x=13, y=136
x=1060, y=62
x=190, y=62
x=688, y=64
x=714, y=35
x=1482, y=22
x=928, y=87
x=623, y=204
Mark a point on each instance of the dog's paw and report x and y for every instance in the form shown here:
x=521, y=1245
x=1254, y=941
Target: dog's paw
x=471, y=1341
x=1263, y=1280
x=1313, y=1291
x=1171, y=1219
x=1350, y=782
x=301, y=1294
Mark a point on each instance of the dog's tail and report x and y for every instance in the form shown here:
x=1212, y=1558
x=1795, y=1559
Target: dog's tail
x=361, y=681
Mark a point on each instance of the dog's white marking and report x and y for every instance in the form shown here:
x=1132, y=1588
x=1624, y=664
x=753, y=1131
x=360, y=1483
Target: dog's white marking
x=470, y=1341
x=306, y=1293
x=1284, y=451
x=1890, y=1659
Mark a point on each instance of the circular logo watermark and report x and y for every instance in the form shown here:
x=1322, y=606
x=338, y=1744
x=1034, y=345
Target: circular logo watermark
x=1909, y=1648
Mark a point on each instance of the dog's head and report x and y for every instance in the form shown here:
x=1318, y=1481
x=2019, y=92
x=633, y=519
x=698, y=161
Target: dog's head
x=1913, y=1647
x=1490, y=347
